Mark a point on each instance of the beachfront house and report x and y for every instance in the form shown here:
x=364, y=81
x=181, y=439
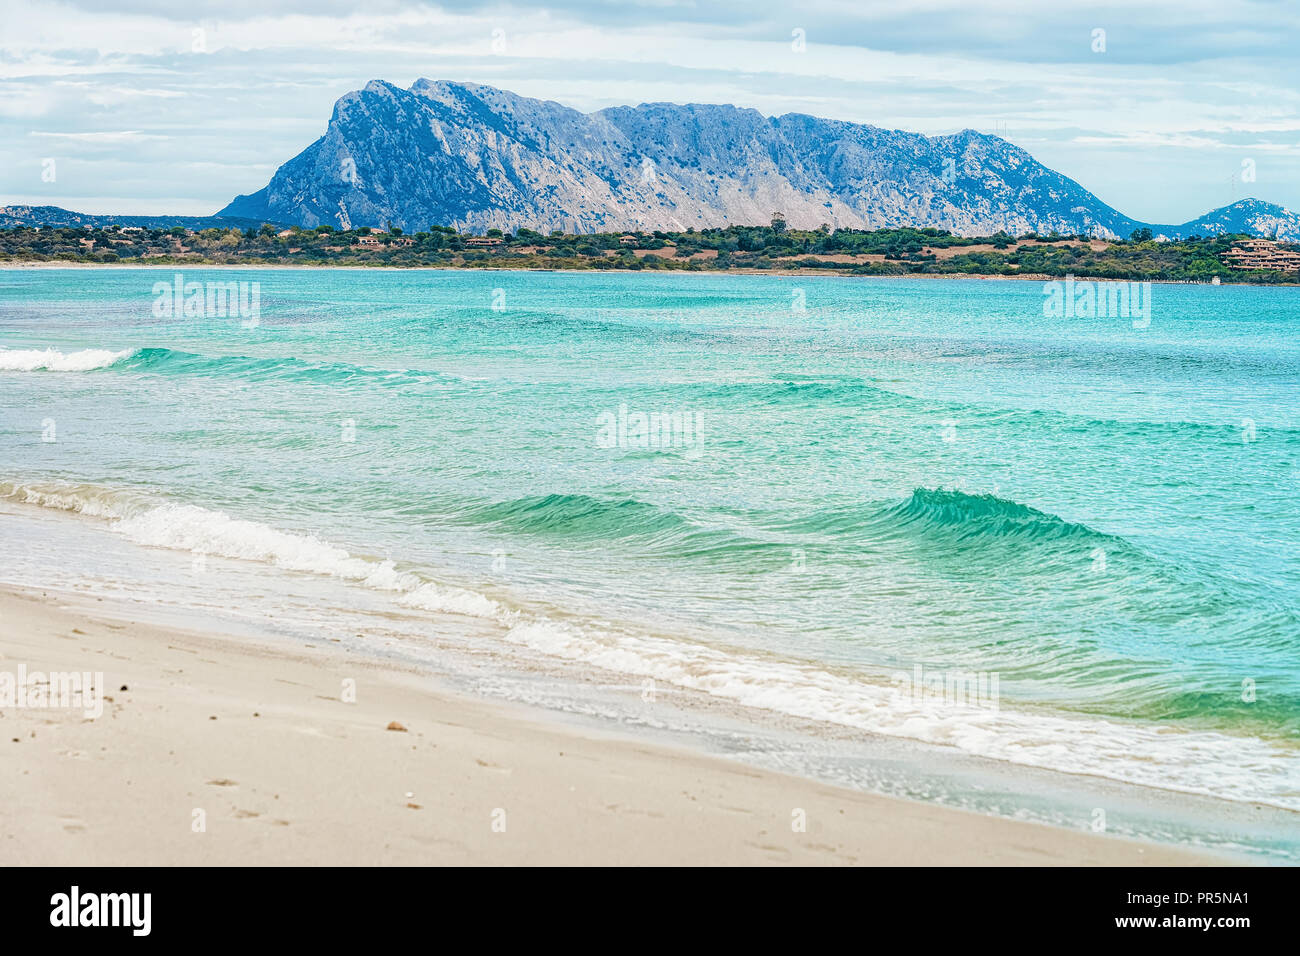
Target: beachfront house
x=1262, y=254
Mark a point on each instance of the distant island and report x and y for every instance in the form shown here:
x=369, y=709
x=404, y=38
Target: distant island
x=772, y=248
x=461, y=175
x=475, y=158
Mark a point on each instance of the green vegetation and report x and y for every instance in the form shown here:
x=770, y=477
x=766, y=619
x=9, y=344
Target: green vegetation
x=905, y=251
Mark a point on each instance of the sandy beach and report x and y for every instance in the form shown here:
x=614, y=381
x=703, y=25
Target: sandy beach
x=217, y=750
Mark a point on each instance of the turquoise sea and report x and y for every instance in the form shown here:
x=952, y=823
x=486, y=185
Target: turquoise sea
x=795, y=495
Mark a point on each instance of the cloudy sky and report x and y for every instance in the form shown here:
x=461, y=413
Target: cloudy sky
x=1164, y=111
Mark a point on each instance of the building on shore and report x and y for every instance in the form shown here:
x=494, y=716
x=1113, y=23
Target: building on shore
x=1262, y=254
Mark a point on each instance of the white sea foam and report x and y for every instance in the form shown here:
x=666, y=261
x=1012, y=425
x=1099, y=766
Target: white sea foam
x=52, y=360
x=1213, y=764
x=204, y=531
x=435, y=597
x=1228, y=767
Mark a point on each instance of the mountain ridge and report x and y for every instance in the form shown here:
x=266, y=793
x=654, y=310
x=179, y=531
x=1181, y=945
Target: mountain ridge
x=476, y=157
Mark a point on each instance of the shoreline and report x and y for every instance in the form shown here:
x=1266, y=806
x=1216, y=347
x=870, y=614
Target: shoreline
x=779, y=273
x=255, y=734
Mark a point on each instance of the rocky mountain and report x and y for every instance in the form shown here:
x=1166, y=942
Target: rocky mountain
x=475, y=157
x=1252, y=216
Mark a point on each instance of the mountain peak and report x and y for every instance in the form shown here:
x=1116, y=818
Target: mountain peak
x=445, y=152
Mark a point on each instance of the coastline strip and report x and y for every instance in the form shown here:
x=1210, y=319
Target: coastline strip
x=285, y=771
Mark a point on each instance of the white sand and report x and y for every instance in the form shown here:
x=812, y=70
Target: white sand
x=289, y=773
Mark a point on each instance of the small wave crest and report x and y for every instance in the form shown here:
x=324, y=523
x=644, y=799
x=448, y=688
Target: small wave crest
x=974, y=520
x=579, y=515
x=165, y=361
x=182, y=527
x=204, y=531
x=52, y=360
x=650, y=528
x=968, y=515
x=90, y=500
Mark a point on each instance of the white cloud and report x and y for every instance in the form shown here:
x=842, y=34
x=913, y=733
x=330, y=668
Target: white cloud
x=105, y=136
